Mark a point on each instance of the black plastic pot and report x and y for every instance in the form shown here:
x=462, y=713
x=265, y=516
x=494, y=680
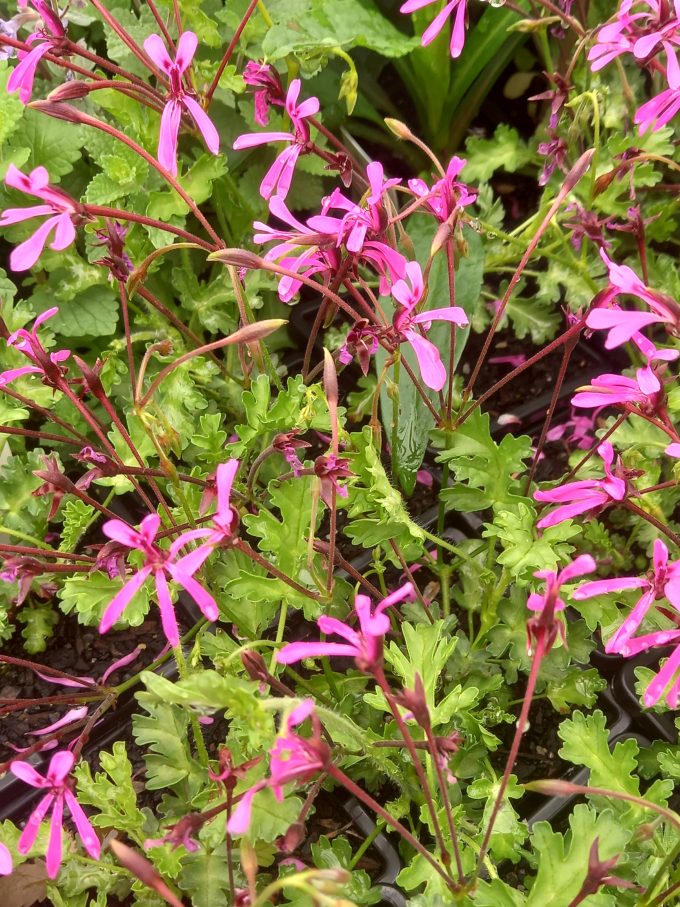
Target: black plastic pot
x=658, y=727
x=391, y=862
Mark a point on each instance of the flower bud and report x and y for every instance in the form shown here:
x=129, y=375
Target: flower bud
x=70, y=91
x=398, y=128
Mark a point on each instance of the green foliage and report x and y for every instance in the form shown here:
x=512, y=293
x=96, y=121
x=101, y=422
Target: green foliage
x=112, y=793
x=485, y=472
x=169, y=761
x=38, y=621
x=77, y=517
x=505, y=151
x=87, y=595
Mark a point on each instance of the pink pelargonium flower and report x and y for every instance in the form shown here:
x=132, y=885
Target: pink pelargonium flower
x=5, y=861
x=408, y=295
x=609, y=390
x=58, y=784
x=364, y=645
x=545, y=627
x=162, y=564
x=46, y=364
x=439, y=21
x=292, y=758
x=659, y=110
x=447, y=194
x=63, y=211
x=179, y=99
x=45, y=39
x=588, y=494
x=277, y=180
x=663, y=581
x=268, y=89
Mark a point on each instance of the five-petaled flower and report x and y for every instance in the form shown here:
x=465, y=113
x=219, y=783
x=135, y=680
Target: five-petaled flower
x=57, y=783
x=277, y=180
x=408, y=295
x=662, y=582
x=588, y=494
x=46, y=364
x=292, y=758
x=364, y=645
x=545, y=628
x=439, y=21
x=180, y=99
x=60, y=207
x=162, y=564
x=44, y=40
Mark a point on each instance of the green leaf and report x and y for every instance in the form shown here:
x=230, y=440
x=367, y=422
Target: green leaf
x=38, y=621
x=205, y=876
x=415, y=419
x=505, y=151
x=11, y=108
x=337, y=854
x=484, y=471
x=87, y=596
x=508, y=832
x=90, y=313
x=271, y=819
x=525, y=550
x=535, y=317
x=165, y=731
x=54, y=144
x=112, y=793
x=586, y=742
x=77, y=516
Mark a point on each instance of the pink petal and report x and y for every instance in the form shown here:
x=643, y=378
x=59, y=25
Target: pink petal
x=26, y=773
x=412, y=5
x=87, y=834
x=13, y=373
x=301, y=712
x=660, y=555
x=65, y=682
x=578, y=567
x=121, y=532
x=186, y=48
x=120, y=602
x=25, y=255
x=121, y=663
x=23, y=74
x=60, y=766
x=201, y=596
x=224, y=479
x=631, y=623
x=657, y=686
x=458, y=31
x=239, y=821
x=603, y=586
x=332, y=626
x=156, y=49
x=205, y=125
x=168, y=619
x=64, y=233
x=18, y=215
x=70, y=716
x=429, y=361
x=5, y=861
x=251, y=139
x=297, y=651
x=567, y=511
x=452, y=313
x=673, y=450
x=437, y=23
x=30, y=832
x=167, y=139
x=280, y=175
x=53, y=861
x=566, y=492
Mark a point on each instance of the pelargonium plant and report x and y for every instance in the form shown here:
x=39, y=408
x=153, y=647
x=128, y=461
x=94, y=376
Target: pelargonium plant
x=338, y=481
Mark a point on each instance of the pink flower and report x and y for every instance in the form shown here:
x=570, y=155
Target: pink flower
x=225, y=522
x=581, y=431
x=58, y=785
x=161, y=564
x=608, y=390
x=408, y=295
x=5, y=861
x=292, y=758
x=361, y=341
x=46, y=364
x=447, y=194
x=330, y=469
x=439, y=21
x=45, y=40
x=179, y=99
x=545, y=627
x=279, y=177
x=61, y=208
x=613, y=39
x=265, y=79
x=364, y=645
x=589, y=494
x=663, y=581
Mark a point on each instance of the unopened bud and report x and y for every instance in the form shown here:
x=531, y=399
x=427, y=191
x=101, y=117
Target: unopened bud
x=144, y=870
x=59, y=111
x=398, y=128
x=531, y=26
x=70, y=91
x=239, y=258
x=441, y=237
x=255, y=665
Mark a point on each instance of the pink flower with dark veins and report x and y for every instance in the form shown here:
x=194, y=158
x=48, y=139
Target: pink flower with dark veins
x=59, y=792
x=44, y=363
x=663, y=581
x=365, y=645
x=447, y=194
x=408, y=295
x=268, y=89
x=161, y=564
x=179, y=100
x=278, y=178
x=61, y=208
x=545, y=627
x=458, y=31
x=46, y=39
x=586, y=495
x=292, y=758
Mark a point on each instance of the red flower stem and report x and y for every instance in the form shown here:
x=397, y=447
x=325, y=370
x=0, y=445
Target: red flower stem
x=418, y=386
x=522, y=724
x=270, y=568
x=582, y=462
x=161, y=24
x=104, y=64
x=409, y=576
x=45, y=413
x=669, y=430
x=320, y=315
x=673, y=483
x=443, y=786
x=145, y=95
x=323, y=548
x=91, y=721
x=118, y=214
x=41, y=435
x=128, y=40
x=229, y=51
x=571, y=179
x=566, y=356
x=35, y=667
x=368, y=311
x=574, y=330
x=159, y=474
x=40, y=745
x=128, y=338
x=336, y=143
x=450, y=262
x=332, y=531
x=373, y=805
x=178, y=18
x=652, y=520
x=59, y=61
x=568, y=20
x=417, y=764
x=44, y=552
x=71, y=114
x=7, y=706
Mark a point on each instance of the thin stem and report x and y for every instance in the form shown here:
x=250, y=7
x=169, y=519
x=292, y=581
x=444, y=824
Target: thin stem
x=270, y=568
x=118, y=214
x=628, y=505
x=229, y=51
x=443, y=786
